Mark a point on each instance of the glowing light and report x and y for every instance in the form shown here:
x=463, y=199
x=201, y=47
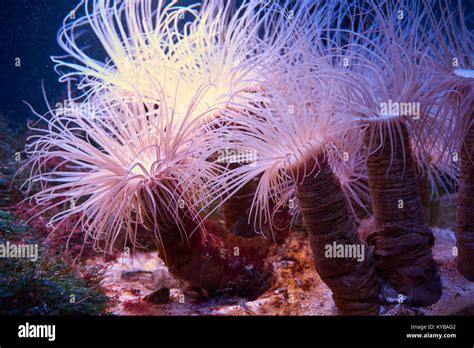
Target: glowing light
x=213, y=57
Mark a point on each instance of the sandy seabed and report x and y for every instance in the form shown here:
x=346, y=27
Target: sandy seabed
x=296, y=288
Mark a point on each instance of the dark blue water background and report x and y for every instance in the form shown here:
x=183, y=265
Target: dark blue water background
x=28, y=30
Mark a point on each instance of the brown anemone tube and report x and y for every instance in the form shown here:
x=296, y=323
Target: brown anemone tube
x=465, y=208
x=401, y=238
x=353, y=281
x=424, y=186
x=209, y=262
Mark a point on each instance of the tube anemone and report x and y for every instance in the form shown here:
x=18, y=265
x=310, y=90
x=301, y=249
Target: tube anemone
x=181, y=48
x=128, y=171
x=294, y=136
x=325, y=210
x=402, y=240
x=450, y=46
x=381, y=56
x=387, y=89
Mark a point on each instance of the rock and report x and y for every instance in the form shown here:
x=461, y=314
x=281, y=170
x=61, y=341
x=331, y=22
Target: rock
x=161, y=296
